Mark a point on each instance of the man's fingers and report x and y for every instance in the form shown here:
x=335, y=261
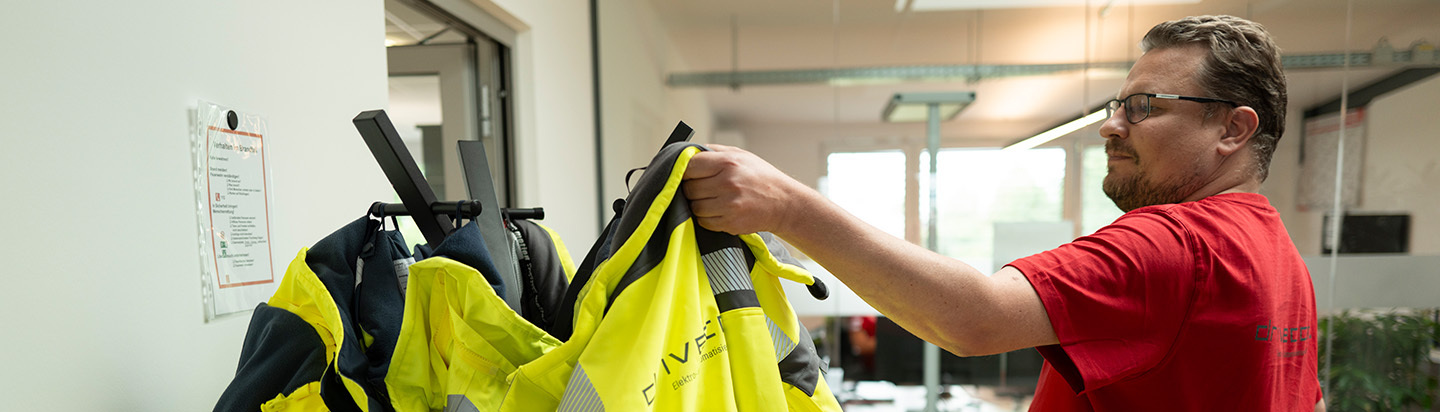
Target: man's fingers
x=716, y=181
x=706, y=207
x=704, y=164
x=699, y=189
x=715, y=224
x=706, y=213
x=713, y=162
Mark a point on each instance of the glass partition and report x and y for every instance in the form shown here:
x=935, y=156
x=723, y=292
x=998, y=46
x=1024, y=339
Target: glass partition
x=1367, y=180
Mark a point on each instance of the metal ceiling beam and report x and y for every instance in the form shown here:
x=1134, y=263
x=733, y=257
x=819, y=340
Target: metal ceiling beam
x=1362, y=96
x=972, y=73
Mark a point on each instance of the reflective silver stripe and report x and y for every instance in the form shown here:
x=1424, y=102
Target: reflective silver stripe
x=459, y=403
x=727, y=270
x=359, y=271
x=579, y=394
x=783, y=343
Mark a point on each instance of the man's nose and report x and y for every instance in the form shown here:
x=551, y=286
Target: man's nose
x=1115, y=126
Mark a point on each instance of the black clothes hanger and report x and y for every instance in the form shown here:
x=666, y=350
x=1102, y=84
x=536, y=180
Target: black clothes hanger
x=434, y=218
x=682, y=133
x=399, y=167
x=464, y=209
x=417, y=199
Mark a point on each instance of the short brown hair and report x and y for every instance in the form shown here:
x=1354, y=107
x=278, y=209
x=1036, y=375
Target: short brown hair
x=1243, y=67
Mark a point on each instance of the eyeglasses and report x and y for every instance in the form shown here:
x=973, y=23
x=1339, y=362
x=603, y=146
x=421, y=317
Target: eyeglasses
x=1137, y=106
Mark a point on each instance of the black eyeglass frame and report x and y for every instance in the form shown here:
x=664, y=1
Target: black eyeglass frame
x=1115, y=104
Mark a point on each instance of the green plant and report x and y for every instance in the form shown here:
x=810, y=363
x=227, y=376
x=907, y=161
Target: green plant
x=1381, y=360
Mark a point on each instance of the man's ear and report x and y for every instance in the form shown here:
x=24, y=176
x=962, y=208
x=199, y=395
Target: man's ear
x=1240, y=126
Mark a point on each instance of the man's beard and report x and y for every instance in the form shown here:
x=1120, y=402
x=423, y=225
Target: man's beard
x=1138, y=190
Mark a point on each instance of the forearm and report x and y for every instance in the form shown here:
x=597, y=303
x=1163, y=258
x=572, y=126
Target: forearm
x=939, y=299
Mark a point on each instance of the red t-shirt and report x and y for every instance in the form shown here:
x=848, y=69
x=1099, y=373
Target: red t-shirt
x=1202, y=306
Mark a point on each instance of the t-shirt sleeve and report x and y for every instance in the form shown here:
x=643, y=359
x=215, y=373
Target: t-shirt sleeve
x=1116, y=298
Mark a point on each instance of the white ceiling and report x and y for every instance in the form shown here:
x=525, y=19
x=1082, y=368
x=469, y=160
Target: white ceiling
x=823, y=34
x=405, y=26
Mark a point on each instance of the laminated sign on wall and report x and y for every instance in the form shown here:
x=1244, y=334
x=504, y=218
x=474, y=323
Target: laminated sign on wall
x=1320, y=149
x=232, y=192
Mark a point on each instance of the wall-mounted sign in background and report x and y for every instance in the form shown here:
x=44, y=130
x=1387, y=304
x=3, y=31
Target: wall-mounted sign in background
x=1319, y=149
x=232, y=189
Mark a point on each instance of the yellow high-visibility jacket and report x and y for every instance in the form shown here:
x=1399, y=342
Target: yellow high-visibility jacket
x=324, y=332
x=302, y=293
x=325, y=338
x=677, y=319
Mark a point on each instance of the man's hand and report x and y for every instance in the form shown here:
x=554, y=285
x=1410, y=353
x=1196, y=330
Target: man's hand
x=734, y=191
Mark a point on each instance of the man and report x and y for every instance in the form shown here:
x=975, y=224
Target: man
x=1195, y=299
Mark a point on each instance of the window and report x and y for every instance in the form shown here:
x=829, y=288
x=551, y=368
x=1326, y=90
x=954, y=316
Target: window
x=981, y=187
x=871, y=186
x=1096, y=209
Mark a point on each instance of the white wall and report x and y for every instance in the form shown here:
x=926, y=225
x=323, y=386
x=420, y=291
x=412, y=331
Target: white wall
x=798, y=151
x=555, y=122
x=101, y=306
x=638, y=111
x=1402, y=161
x=1402, y=164
x=1282, y=185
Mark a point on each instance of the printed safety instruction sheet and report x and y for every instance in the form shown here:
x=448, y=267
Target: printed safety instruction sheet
x=232, y=182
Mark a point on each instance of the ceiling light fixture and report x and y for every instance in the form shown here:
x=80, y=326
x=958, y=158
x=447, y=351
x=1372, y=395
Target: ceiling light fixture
x=1057, y=131
x=914, y=107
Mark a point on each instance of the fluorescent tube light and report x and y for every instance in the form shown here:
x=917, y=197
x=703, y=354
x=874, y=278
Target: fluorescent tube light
x=1058, y=131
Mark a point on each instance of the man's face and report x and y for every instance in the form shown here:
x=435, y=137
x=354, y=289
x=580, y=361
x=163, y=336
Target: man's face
x=1168, y=156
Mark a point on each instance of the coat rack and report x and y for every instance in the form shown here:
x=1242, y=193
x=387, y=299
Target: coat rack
x=399, y=167
x=419, y=202
x=404, y=176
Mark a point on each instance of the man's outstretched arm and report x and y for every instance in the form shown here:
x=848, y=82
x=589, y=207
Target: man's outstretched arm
x=939, y=299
